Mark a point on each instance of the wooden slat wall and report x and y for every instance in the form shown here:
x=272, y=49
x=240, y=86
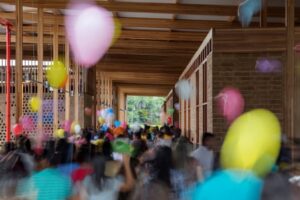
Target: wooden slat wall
x=188, y=109
x=250, y=40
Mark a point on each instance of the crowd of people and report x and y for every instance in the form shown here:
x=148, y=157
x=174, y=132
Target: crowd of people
x=159, y=163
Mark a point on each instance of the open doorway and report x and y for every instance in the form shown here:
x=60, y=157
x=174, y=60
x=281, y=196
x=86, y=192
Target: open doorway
x=144, y=109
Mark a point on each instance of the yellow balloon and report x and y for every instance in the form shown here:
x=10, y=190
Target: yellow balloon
x=60, y=133
x=35, y=104
x=117, y=31
x=252, y=142
x=101, y=120
x=57, y=75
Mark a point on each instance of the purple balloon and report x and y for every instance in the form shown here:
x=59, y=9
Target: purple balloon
x=90, y=32
x=265, y=65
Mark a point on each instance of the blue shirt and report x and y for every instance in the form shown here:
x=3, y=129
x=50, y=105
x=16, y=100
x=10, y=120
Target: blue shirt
x=48, y=184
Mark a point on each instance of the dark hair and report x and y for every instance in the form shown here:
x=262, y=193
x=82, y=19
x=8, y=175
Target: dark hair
x=107, y=149
x=162, y=165
x=84, y=154
x=98, y=177
x=61, y=147
x=23, y=144
x=138, y=134
x=166, y=130
x=206, y=136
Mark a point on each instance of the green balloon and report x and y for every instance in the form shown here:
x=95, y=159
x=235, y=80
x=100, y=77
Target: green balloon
x=122, y=147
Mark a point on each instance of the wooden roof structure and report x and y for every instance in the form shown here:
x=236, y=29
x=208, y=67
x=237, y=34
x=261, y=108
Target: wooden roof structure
x=158, y=36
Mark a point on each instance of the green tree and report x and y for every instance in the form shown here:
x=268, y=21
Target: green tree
x=144, y=109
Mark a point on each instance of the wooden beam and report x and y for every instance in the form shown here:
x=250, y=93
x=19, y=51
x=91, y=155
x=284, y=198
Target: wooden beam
x=193, y=9
x=158, y=78
x=146, y=22
x=67, y=87
x=19, y=59
x=119, y=67
x=76, y=93
x=32, y=39
x=136, y=34
x=291, y=77
x=40, y=54
x=55, y=91
x=264, y=13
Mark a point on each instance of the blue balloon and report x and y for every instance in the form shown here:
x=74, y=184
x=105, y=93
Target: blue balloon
x=110, y=111
x=247, y=10
x=117, y=123
x=104, y=128
x=230, y=185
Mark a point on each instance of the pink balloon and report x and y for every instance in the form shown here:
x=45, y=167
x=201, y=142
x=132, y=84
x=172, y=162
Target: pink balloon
x=67, y=126
x=98, y=113
x=124, y=125
x=230, y=103
x=17, y=129
x=27, y=123
x=90, y=31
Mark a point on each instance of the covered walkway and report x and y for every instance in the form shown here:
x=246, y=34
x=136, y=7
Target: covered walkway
x=214, y=61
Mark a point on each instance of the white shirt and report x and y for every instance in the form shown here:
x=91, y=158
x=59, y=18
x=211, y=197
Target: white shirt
x=205, y=157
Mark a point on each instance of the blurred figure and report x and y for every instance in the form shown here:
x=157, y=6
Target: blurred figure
x=13, y=169
x=156, y=182
x=84, y=157
x=100, y=186
x=204, y=154
x=277, y=187
x=138, y=144
x=49, y=183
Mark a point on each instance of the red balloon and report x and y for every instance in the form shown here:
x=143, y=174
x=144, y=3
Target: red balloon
x=17, y=129
x=169, y=120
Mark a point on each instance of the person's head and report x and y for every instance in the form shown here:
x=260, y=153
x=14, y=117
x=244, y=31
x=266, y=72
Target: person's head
x=162, y=164
x=23, y=144
x=137, y=135
x=208, y=139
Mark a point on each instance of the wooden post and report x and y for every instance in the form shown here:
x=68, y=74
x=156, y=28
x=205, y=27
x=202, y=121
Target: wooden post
x=40, y=54
x=76, y=93
x=67, y=88
x=291, y=107
x=55, y=91
x=264, y=13
x=19, y=59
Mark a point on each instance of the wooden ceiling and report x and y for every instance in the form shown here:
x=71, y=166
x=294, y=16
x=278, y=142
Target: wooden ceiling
x=158, y=39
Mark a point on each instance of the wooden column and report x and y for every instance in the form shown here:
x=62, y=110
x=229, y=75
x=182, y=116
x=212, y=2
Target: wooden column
x=264, y=13
x=40, y=54
x=291, y=107
x=67, y=87
x=19, y=59
x=76, y=93
x=55, y=91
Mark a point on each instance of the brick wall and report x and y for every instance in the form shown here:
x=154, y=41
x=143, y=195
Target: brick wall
x=259, y=90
